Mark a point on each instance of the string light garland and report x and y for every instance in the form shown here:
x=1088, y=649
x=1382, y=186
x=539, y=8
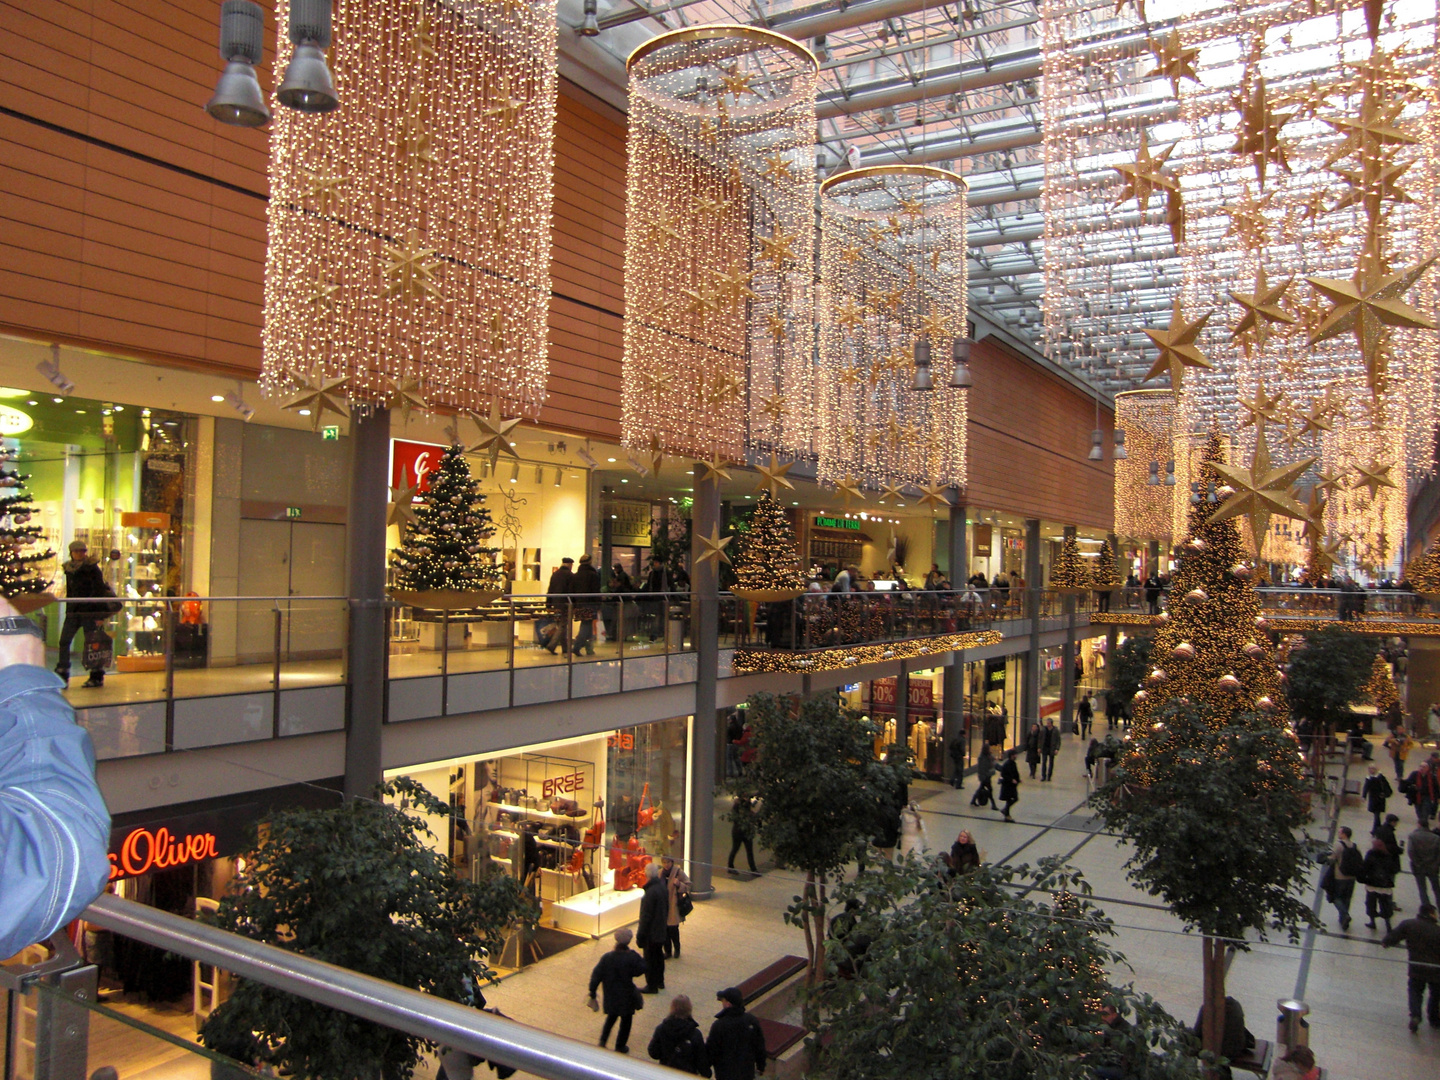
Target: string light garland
x=1144, y=504
x=752, y=661
x=719, y=290
x=893, y=299
x=409, y=231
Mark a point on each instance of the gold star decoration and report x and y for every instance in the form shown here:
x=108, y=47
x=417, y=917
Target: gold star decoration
x=717, y=469
x=733, y=288
x=850, y=376
x=322, y=292
x=736, y=82
x=324, y=190
x=657, y=381
x=775, y=324
x=889, y=299
x=847, y=489
x=412, y=270
x=893, y=491
x=912, y=207
x=715, y=546
x=507, y=107
x=494, y=433
x=1315, y=421
x=772, y=476
x=1374, y=477
x=1173, y=60
x=724, y=385
x=405, y=395
x=1260, y=309
x=1175, y=216
x=401, y=510
x=1248, y=222
x=1177, y=348
x=706, y=206
x=1375, y=182
x=415, y=146
x=1373, y=127
x=778, y=248
x=935, y=496
x=934, y=327
x=1138, y=5
x=1146, y=174
x=700, y=301
x=319, y=395
x=848, y=317
x=1315, y=519
x=1364, y=304
x=1327, y=481
x=1262, y=408
x=774, y=407
x=1259, y=134
x=496, y=323
x=664, y=224
x=777, y=168
x=1260, y=491
x=849, y=255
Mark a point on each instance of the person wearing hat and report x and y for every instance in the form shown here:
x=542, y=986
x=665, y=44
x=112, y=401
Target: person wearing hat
x=560, y=582
x=616, y=972
x=585, y=582
x=83, y=578
x=736, y=1043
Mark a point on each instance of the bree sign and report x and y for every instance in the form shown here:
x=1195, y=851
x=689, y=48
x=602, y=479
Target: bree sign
x=411, y=464
x=838, y=523
x=562, y=785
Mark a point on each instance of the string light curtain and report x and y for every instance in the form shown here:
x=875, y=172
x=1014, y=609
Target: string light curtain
x=720, y=207
x=1144, y=504
x=409, y=230
x=893, y=274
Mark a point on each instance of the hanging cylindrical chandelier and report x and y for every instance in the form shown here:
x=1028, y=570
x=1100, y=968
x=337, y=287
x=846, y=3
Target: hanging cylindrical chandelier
x=893, y=277
x=409, y=230
x=719, y=233
x=1146, y=484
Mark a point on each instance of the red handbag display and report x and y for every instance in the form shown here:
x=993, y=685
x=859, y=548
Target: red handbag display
x=645, y=817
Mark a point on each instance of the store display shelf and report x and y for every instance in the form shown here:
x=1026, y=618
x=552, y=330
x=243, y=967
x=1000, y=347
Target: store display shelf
x=597, y=912
x=510, y=808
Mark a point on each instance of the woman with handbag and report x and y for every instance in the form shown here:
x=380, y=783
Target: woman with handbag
x=677, y=888
x=83, y=578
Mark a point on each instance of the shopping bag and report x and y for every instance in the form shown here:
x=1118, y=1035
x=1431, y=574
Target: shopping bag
x=99, y=649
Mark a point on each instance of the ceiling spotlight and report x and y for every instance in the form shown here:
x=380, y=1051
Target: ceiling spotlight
x=588, y=27
x=238, y=98
x=539, y=474
x=1097, y=448
x=309, y=87
x=922, y=364
x=587, y=457
x=1154, y=478
x=1170, y=474
x=1120, y=453
x=558, y=477
x=236, y=402
x=960, y=377
x=515, y=473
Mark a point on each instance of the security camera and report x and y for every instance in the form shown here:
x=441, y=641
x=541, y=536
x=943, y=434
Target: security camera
x=236, y=402
x=53, y=375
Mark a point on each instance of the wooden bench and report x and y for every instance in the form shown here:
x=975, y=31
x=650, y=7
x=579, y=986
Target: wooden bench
x=779, y=1037
x=767, y=979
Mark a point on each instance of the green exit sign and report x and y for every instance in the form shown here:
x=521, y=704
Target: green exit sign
x=838, y=523
x=330, y=433
x=292, y=511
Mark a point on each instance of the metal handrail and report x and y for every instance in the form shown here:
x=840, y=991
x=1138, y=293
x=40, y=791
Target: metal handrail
x=448, y=1023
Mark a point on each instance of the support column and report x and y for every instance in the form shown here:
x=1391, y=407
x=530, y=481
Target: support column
x=1153, y=562
x=365, y=586
x=705, y=517
x=1030, y=686
x=1067, y=682
x=1112, y=633
x=952, y=686
x=902, y=706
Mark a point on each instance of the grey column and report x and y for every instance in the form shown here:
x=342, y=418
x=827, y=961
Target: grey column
x=902, y=706
x=1112, y=634
x=704, y=517
x=1067, y=683
x=953, y=680
x=1030, y=685
x=365, y=706
x=1154, y=567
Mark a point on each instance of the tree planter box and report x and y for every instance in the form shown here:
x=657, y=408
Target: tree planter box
x=432, y=634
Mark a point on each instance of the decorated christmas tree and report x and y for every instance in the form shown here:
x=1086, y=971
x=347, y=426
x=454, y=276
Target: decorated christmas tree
x=1103, y=574
x=1381, y=687
x=1070, y=574
x=769, y=561
x=1423, y=574
x=444, y=548
x=1211, y=647
x=20, y=548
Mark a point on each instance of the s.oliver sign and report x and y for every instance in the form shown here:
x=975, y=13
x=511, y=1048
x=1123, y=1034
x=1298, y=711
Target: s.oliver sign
x=411, y=463
x=181, y=841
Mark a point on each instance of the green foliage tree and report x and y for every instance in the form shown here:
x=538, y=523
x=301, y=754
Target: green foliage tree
x=445, y=546
x=818, y=795
x=1328, y=674
x=1128, y=668
x=1214, y=809
x=769, y=557
x=995, y=974
x=361, y=886
x=20, y=548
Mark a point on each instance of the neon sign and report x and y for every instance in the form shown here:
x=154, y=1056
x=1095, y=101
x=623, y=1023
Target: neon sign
x=142, y=851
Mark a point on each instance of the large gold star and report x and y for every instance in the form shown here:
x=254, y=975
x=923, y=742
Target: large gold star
x=893, y=491
x=849, y=255
x=733, y=287
x=1173, y=60
x=401, y=510
x=1146, y=174
x=1375, y=182
x=1364, y=304
x=715, y=546
x=1248, y=222
x=935, y=496
x=507, y=107
x=1263, y=408
x=847, y=489
x=850, y=376
x=1315, y=519
x=706, y=206
x=717, y=469
x=1260, y=309
x=772, y=476
x=1374, y=477
x=778, y=168
x=775, y=324
x=1138, y=5
x=412, y=269
x=1328, y=481
x=657, y=382
x=848, y=317
x=494, y=433
x=774, y=407
x=934, y=326
x=1259, y=134
x=1375, y=126
x=1315, y=421
x=319, y=395
x=1177, y=348
x=724, y=385
x=664, y=224
x=322, y=292
x=324, y=190
x=736, y=82
x=778, y=248
x=404, y=394
x=1260, y=491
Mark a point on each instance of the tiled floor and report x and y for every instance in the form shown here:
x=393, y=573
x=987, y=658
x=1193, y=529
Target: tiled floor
x=1356, y=990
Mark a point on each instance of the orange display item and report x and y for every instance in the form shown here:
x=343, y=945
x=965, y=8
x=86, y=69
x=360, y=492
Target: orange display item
x=617, y=855
x=645, y=817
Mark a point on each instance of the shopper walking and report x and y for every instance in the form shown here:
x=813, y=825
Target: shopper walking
x=1425, y=783
x=83, y=579
x=1398, y=744
x=742, y=831
x=584, y=585
x=1085, y=714
x=1424, y=847
x=736, y=1043
x=677, y=892
x=1049, y=747
x=616, y=972
x=1032, y=750
x=678, y=1042
x=1421, y=938
x=1375, y=792
x=957, y=761
x=651, y=933
x=984, y=775
x=1010, y=783
x=559, y=605
x=912, y=831
x=1378, y=877
x=1346, y=864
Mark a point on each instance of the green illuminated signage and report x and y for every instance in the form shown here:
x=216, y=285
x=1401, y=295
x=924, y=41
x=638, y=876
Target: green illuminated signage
x=838, y=523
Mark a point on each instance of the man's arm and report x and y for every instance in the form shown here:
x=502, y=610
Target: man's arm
x=54, y=827
x=1395, y=937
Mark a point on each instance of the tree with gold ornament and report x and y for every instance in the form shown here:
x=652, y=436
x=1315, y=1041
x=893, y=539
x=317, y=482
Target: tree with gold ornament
x=1423, y=574
x=769, y=559
x=1212, y=647
x=445, y=547
x=1104, y=575
x=1381, y=687
x=1069, y=573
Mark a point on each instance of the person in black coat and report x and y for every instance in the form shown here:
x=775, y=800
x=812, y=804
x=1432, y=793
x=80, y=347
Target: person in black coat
x=736, y=1043
x=1378, y=877
x=1009, y=783
x=1032, y=750
x=83, y=578
x=651, y=933
x=616, y=972
x=1049, y=747
x=1376, y=792
x=585, y=582
x=677, y=1041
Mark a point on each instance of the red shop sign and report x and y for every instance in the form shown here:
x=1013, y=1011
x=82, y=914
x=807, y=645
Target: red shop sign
x=411, y=463
x=562, y=785
x=921, y=696
x=142, y=851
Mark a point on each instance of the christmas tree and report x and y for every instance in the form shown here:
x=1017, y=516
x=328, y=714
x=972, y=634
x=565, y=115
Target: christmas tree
x=1211, y=649
x=1381, y=687
x=1103, y=574
x=444, y=548
x=20, y=549
x=1423, y=574
x=1069, y=574
x=769, y=561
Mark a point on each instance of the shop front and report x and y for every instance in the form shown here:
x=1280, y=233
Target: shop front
x=576, y=822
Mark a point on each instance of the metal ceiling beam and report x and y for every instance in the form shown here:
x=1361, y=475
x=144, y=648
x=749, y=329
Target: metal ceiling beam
x=827, y=18
x=1012, y=67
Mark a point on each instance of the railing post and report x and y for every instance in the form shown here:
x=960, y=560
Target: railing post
x=444, y=661
x=1030, y=687
x=275, y=672
x=510, y=653
x=705, y=610
x=61, y=1034
x=569, y=647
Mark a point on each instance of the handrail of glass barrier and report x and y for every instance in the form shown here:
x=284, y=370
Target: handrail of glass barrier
x=448, y=1023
